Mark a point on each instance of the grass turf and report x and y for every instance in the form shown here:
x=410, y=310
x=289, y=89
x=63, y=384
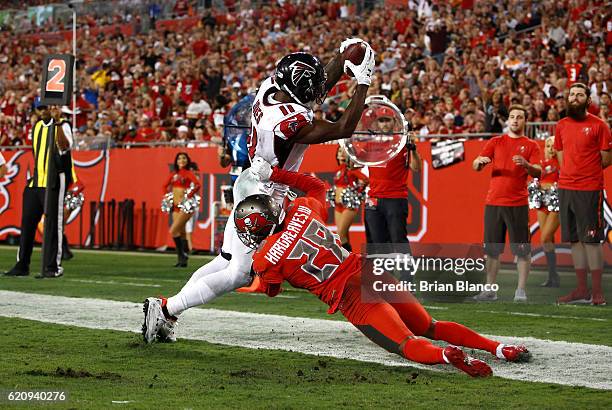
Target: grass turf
x=194, y=374
x=133, y=277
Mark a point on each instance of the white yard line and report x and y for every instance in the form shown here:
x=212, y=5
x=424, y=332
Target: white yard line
x=574, y=364
x=112, y=282
x=496, y=312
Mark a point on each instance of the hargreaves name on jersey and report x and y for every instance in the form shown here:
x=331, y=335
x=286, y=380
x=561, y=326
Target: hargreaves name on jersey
x=286, y=239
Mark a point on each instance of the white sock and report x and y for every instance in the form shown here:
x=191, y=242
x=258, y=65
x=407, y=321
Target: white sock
x=498, y=351
x=206, y=289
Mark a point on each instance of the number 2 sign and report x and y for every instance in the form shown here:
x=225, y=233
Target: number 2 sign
x=56, y=84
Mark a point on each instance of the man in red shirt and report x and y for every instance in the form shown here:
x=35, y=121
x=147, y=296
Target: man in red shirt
x=387, y=208
x=513, y=157
x=584, y=150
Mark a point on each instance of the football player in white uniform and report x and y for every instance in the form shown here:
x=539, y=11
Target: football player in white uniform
x=282, y=128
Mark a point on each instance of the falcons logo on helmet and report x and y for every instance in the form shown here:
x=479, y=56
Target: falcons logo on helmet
x=300, y=70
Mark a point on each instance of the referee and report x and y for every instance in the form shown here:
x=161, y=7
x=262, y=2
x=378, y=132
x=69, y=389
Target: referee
x=51, y=142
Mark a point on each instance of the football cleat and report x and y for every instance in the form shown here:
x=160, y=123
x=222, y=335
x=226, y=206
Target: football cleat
x=512, y=353
x=576, y=296
x=167, y=333
x=465, y=363
x=153, y=319
x=598, y=299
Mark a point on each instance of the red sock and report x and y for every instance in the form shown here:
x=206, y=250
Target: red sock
x=596, y=281
x=422, y=351
x=459, y=335
x=581, y=277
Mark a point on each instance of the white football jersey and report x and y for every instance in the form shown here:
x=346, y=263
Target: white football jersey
x=273, y=124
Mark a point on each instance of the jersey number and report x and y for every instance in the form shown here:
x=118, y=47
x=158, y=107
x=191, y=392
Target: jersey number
x=55, y=83
x=312, y=247
x=252, y=142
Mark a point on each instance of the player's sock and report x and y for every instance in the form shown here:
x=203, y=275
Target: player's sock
x=167, y=314
x=581, y=278
x=422, y=351
x=596, y=281
x=457, y=334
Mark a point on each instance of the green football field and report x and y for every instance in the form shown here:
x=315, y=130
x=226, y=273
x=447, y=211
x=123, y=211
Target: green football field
x=103, y=368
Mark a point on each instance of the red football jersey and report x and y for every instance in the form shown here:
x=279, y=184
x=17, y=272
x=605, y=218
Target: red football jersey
x=508, y=186
x=581, y=143
x=572, y=71
x=390, y=180
x=307, y=255
x=550, y=171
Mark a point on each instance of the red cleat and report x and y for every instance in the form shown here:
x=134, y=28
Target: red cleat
x=598, y=299
x=463, y=362
x=576, y=296
x=511, y=353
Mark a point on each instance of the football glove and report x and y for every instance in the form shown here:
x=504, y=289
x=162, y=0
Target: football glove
x=261, y=169
x=364, y=71
x=350, y=41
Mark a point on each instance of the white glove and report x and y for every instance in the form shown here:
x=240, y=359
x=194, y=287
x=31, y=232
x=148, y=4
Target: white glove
x=364, y=71
x=350, y=41
x=261, y=169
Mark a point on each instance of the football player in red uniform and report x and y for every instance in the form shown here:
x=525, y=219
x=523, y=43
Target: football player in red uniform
x=296, y=246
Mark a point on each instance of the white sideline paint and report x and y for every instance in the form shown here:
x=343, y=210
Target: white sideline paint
x=574, y=364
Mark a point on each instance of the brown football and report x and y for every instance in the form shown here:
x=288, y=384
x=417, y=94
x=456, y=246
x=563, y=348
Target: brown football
x=355, y=54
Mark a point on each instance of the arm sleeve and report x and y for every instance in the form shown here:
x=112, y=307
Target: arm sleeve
x=558, y=140
x=68, y=133
x=489, y=149
x=196, y=184
x=312, y=186
x=270, y=279
x=606, y=139
x=534, y=155
x=2, y=160
x=167, y=183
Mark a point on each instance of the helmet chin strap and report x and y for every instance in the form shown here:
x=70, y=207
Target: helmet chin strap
x=288, y=91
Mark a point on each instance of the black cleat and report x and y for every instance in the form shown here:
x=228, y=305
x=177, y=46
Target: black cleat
x=16, y=272
x=44, y=275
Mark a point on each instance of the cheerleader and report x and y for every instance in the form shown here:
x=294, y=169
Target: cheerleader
x=346, y=176
x=179, y=181
x=549, y=221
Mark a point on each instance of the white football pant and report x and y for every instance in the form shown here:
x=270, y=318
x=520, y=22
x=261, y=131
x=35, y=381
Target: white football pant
x=221, y=276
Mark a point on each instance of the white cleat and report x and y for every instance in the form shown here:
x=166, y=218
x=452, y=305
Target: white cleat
x=167, y=333
x=153, y=319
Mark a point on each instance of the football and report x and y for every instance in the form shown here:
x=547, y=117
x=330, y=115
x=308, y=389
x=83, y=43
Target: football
x=355, y=54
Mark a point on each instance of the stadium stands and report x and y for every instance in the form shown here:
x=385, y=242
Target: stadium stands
x=144, y=69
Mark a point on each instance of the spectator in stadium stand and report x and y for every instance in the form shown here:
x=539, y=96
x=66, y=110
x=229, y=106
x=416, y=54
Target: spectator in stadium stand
x=346, y=176
x=180, y=180
x=495, y=110
x=513, y=158
x=549, y=220
x=584, y=150
x=386, y=210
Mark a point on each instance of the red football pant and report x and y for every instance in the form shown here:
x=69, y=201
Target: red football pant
x=393, y=326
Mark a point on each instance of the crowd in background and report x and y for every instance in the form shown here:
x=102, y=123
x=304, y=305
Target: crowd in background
x=451, y=66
